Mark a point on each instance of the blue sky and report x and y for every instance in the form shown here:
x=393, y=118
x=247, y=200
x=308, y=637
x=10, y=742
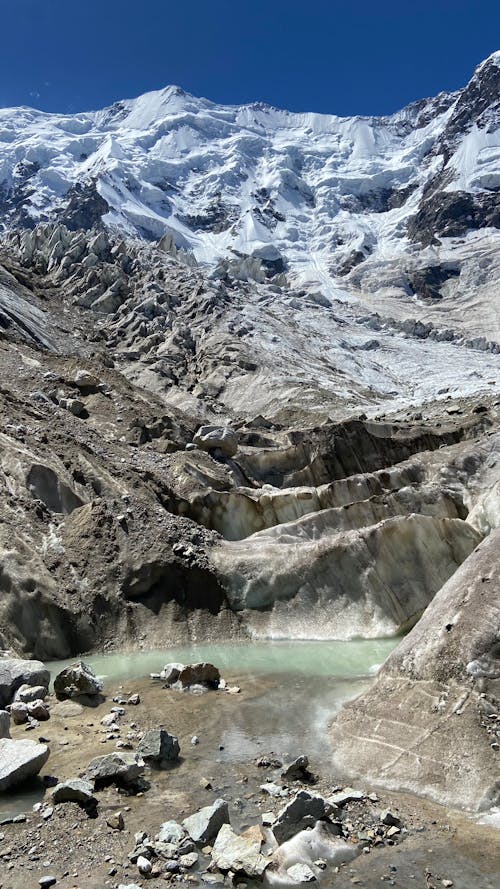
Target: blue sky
x=320, y=55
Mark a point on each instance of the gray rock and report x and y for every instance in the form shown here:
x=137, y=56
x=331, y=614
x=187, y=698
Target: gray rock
x=301, y=873
x=171, y=832
x=387, y=817
x=199, y=674
x=296, y=769
x=38, y=710
x=114, y=768
x=78, y=679
x=189, y=859
x=159, y=748
x=204, y=825
x=301, y=812
x=208, y=438
x=170, y=672
x=46, y=882
x=20, y=760
x=19, y=712
x=143, y=865
x=4, y=724
x=75, y=790
x=29, y=693
x=15, y=672
x=240, y=854
x=344, y=796
x=129, y=886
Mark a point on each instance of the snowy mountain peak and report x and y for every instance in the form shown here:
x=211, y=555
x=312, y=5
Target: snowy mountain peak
x=312, y=195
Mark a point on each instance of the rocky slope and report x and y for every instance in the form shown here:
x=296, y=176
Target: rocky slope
x=328, y=290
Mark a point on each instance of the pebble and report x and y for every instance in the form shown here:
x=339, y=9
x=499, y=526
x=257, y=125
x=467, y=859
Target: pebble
x=45, y=882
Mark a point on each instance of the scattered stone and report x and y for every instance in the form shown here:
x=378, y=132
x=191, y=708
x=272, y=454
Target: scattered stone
x=134, y=700
x=115, y=768
x=143, y=865
x=78, y=679
x=115, y=821
x=240, y=854
x=268, y=762
x=195, y=740
x=301, y=873
x=301, y=812
x=204, y=825
x=76, y=790
x=206, y=784
x=447, y=883
x=188, y=860
x=274, y=789
x=20, y=760
x=347, y=795
x=171, y=832
x=296, y=770
x=388, y=817
x=268, y=819
x=46, y=882
x=159, y=748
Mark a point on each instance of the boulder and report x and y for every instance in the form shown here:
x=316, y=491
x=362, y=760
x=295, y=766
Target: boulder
x=15, y=672
x=301, y=812
x=4, y=724
x=20, y=760
x=170, y=673
x=199, y=674
x=19, y=712
x=159, y=748
x=240, y=854
x=38, y=710
x=223, y=438
x=114, y=768
x=204, y=825
x=297, y=769
x=75, y=790
x=29, y=693
x=78, y=679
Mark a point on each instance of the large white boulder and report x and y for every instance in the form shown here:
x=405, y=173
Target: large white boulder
x=20, y=760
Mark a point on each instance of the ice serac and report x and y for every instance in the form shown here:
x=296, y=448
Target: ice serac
x=428, y=723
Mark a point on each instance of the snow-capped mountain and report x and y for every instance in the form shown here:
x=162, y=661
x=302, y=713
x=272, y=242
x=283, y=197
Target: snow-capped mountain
x=312, y=194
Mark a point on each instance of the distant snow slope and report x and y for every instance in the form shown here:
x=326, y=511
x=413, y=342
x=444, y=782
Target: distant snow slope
x=314, y=194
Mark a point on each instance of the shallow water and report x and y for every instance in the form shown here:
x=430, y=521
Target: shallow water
x=303, y=686
x=344, y=660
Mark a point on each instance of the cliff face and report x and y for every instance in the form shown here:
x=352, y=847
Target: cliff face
x=429, y=723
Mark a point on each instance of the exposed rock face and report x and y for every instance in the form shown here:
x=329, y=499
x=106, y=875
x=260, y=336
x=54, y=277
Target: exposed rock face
x=20, y=760
x=426, y=723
